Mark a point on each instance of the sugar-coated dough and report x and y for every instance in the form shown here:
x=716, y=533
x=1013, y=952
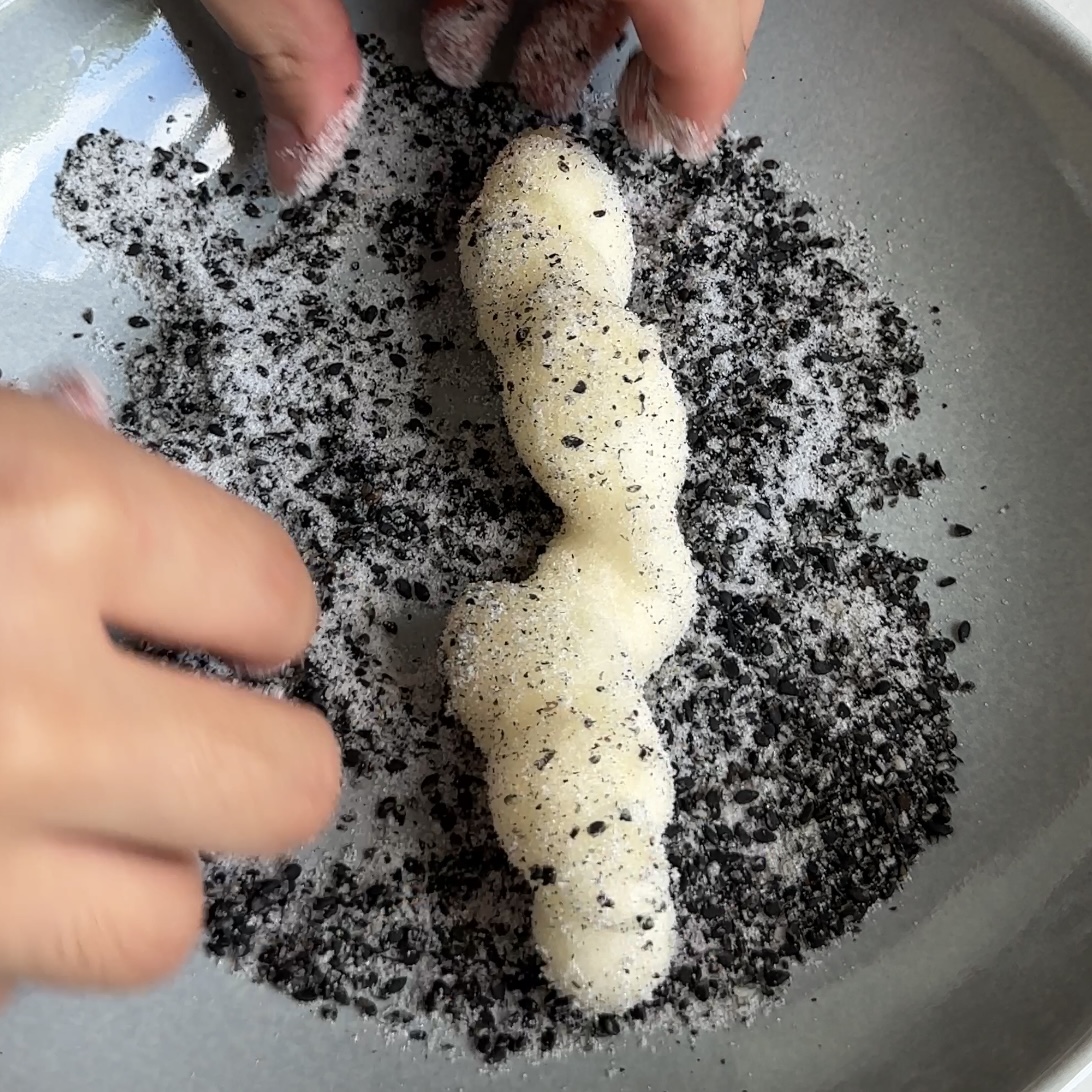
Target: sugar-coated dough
x=548, y=675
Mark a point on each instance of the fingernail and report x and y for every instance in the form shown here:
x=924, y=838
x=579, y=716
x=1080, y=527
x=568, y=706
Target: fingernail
x=82, y=392
x=650, y=127
x=298, y=167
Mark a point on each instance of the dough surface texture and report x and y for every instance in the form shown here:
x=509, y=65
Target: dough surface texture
x=548, y=675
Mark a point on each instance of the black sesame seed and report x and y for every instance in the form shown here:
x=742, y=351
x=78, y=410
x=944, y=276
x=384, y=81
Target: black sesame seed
x=745, y=796
x=597, y=827
x=572, y=441
x=606, y=1024
x=959, y=530
x=946, y=581
x=963, y=632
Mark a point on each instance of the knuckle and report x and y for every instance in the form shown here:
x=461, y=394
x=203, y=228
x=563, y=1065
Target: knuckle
x=279, y=66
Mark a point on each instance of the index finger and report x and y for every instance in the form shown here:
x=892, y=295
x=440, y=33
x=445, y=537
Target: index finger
x=678, y=91
x=308, y=68
x=160, y=552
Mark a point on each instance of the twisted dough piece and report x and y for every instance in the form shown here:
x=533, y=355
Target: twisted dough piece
x=548, y=675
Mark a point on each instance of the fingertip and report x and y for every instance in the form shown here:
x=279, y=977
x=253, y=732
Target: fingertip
x=299, y=164
x=172, y=924
x=312, y=82
x=457, y=37
x=660, y=114
x=675, y=94
x=285, y=595
x=91, y=914
x=311, y=791
x=320, y=781
x=561, y=49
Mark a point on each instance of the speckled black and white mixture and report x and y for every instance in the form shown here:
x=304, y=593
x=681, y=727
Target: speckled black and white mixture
x=321, y=362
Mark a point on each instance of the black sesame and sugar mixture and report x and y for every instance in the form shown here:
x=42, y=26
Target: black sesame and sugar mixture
x=321, y=362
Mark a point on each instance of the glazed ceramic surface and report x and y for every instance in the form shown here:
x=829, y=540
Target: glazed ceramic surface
x=958, y=134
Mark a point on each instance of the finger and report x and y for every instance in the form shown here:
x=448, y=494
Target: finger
x=84, y=914
x=676, y=92
x=309, y=72
x=167, y=759
x=165, y=554
x=560, y=50
x=458, y=37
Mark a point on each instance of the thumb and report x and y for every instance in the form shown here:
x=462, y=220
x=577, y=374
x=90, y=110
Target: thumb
x=309, y=73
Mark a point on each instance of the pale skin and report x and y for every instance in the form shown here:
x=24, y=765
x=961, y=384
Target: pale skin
x=117, y=772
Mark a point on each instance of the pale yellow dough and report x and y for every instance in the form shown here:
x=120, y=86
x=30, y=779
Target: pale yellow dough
x=548, y=675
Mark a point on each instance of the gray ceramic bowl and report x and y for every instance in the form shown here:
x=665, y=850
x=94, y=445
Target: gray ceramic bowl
x=959, y=134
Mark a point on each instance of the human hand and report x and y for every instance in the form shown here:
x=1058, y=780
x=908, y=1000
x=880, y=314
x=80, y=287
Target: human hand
x=675, y=93
x=115, y=771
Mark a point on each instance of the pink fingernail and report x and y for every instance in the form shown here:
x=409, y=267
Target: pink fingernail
x=298, y=167
x=82, y=392
x=652, y=128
